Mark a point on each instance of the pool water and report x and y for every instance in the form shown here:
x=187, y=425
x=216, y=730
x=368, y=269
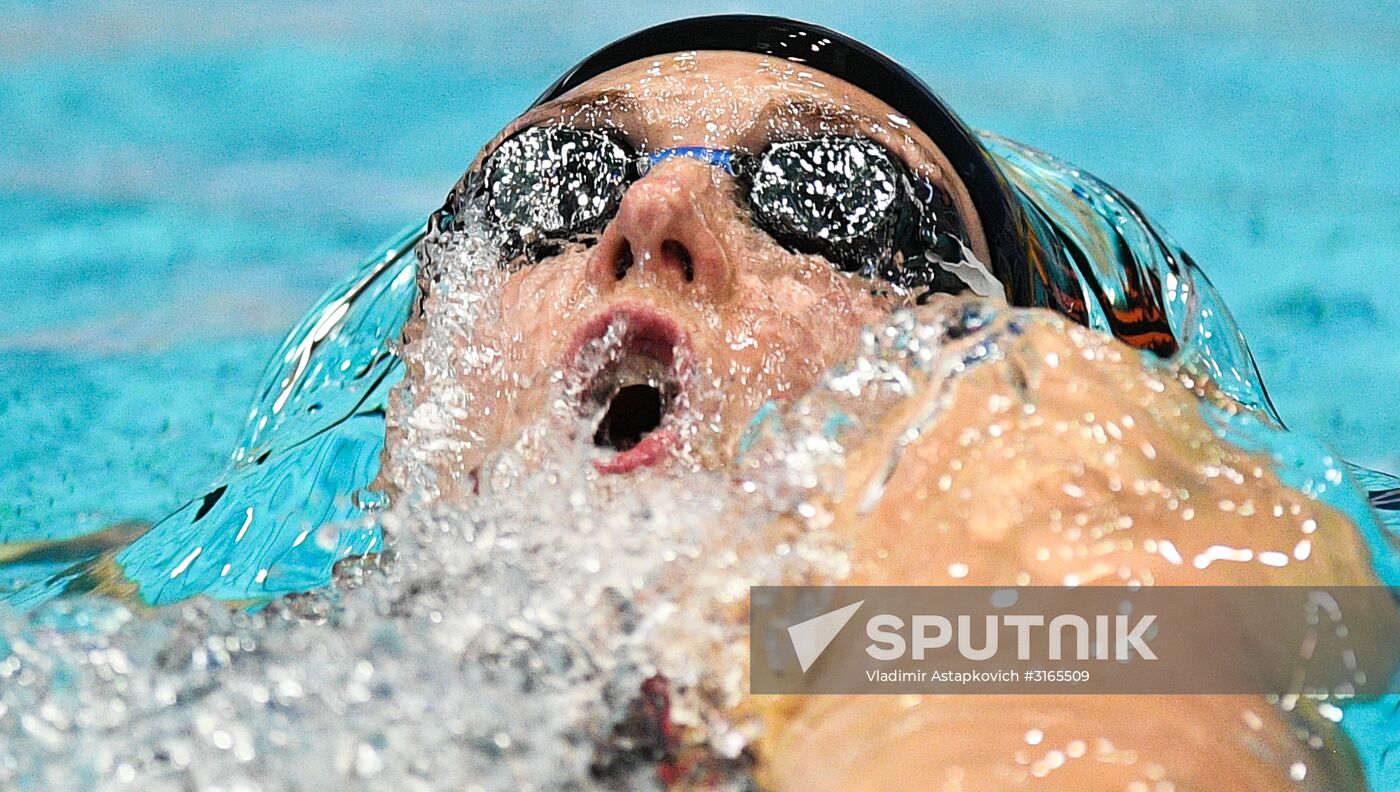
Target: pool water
x=179, y=188
x=182, y=188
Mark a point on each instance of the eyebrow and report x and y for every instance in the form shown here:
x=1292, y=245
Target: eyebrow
x=621, y=102
x=807, y=113
x=811, y=115
x=615, y=100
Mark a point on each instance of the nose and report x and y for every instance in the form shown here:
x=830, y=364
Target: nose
x=664, y=234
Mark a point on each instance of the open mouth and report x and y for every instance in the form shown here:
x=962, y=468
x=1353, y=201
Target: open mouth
x=637, y=391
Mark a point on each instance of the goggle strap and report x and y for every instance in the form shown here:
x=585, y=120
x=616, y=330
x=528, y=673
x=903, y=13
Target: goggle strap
x=720, y=158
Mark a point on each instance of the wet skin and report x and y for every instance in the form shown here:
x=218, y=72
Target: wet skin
x=1117, y=480
x=752, y=321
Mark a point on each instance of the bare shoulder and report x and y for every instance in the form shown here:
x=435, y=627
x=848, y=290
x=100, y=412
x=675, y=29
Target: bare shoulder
x=1057, y=456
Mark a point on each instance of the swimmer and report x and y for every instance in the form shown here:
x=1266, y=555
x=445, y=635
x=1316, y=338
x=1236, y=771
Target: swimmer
x=699, y=220
x=749, y=213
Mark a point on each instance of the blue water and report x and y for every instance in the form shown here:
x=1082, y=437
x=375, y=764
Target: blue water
x=180, y=188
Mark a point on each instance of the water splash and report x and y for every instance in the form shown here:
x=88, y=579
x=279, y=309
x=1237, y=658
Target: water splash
x=310, y=447
x=565, y=631
x=503, y=645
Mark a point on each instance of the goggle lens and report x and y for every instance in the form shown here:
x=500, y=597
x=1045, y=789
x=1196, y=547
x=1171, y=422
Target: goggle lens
x=846, y=199
x=832, y=196
x=550, y=184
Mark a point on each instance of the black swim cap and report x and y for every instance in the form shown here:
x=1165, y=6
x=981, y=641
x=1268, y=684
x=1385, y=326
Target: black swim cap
x=839, y=55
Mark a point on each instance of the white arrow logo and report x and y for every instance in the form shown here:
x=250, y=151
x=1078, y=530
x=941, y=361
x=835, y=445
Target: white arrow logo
x=810, y=638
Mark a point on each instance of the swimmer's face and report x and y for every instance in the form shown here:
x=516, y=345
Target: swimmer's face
x=712, y=315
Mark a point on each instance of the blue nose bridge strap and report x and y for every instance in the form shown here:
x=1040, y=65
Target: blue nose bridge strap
x=720, y=158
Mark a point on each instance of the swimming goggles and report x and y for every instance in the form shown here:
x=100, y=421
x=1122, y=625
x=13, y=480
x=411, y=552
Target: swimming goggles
x=847, y=199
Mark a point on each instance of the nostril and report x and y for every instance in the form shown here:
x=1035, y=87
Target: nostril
x=675, y=251
x=624, y=260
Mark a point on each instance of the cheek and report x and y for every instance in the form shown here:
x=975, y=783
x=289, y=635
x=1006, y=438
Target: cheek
x=794, y=327
x=534, y=305
x=835, y=308
x=829, y=308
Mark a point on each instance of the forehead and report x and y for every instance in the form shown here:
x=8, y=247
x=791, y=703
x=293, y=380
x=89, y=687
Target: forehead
x=728, y=100
x=736, y=87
